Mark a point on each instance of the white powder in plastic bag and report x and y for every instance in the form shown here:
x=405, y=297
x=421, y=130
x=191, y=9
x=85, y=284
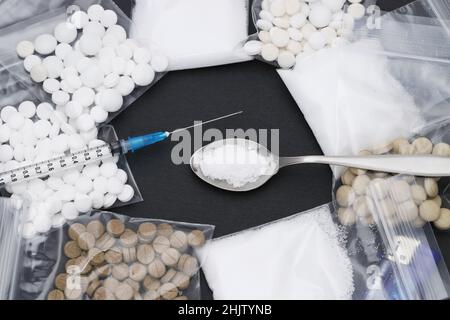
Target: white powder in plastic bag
x=350, y=99
x=299, y=257
x=194, y=33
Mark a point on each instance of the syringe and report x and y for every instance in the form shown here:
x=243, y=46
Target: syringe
x=90, y=155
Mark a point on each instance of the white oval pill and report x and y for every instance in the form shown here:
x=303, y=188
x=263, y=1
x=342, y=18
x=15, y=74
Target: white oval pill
x=143, y=75
x=278, y=8
x=27, y=109
x=25, y=49
x=253, y=47
x=295, y=34
x=51, y=85
x=45, y=44
x=69, y=211
x=280, y=37
x=44, y=111
x=269, y=52
x=127, y=194
x=66, y=32
x=60, y=97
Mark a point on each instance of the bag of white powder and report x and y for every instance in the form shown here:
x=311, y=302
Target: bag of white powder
x=194, y=33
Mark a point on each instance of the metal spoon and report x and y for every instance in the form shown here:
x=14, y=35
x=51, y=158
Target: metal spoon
x=416, y=165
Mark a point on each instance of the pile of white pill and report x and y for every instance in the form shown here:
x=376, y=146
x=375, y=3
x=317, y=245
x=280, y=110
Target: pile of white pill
x=88, y=65
x=288, y=28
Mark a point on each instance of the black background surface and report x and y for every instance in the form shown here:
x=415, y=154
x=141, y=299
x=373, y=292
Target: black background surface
x=174, y=193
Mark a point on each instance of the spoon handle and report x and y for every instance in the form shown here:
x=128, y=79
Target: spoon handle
x=417, y=165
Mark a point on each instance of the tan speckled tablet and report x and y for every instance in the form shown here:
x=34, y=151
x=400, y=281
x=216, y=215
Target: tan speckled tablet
x=103, y=271
x=105, y=242
x=181, y=280
x=114, y=255
x=75, y=230
x=111, y=283
x=137, y=271
x=129, y=254
x=188, y=264
x=168, y=276
x=170, y=257
x=156, y=269
x=120, y=271
x=128, y=239
x=196, y=238
x=96, y=228
x=134, y=284
x=151, y=283
x=86, y=241
x=147, y=231
x=73, y=293
x=152, y=295
x=115, y=227
x=181, y=298
x=92, y=287
x=165, y=230
x=103, y=294
x=55, y=295
x=72, y=250
x=168, y=291
x=145, y=253
x=96, y=256
x=124, y=292
x=178, y=240
x=60, y=281
x=160, y=244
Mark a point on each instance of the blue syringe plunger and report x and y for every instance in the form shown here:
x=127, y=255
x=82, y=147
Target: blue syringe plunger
x=136, y=143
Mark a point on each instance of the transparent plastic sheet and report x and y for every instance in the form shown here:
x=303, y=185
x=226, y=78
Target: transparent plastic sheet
x=36, y=25
x=327, y=261
x=123, y=254
x=13, y=93
x=194, y=33
x=299, y=43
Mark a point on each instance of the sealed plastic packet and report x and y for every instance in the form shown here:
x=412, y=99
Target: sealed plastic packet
x=32, y=131
x=81, y=54
x=313, y=257
x=106, y=256
x=287, y=29
x=194, y=33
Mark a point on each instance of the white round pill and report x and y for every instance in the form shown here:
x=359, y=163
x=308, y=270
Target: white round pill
x=80, y=19
x=27, y=109
x=90, y=44
x=58, y=221
x=129, y=67
x=357, y=10
x=279, y=37
x=44, y=110
x=317, y=40
x=60, y=97
x=45, y=44
x=99, y=114
x=51, y=85
x=143, y=75
x=25, y=49
x=95, y=12
x=91, y=171
x=159, y=63
x=142, y=56
x=295, y=34
x=111, y=100
x=124, y=51
x=85, y=122
x=62, y=49
x=89, y=135
x=85, y=96
x=55, y=183
x=127, y=194
x=69, y=211
x=108, y=170
x=66, y=32
x=41, y=129
x=16, y=121
x=109, y=200
x=122, y=176
x=83, y=203
x=93, y=77
x=94, y=27
x=66, y=193
x=84, y=63
x=334, y=5
x=36, y=186
x=253, y=47
x=60, y=143
x=76, y=142
x=126, y=86
x=42, y=222
x=298, y=20
x=71, y=176
x=108, y=18
x=5, y=133
x=269, y=52
x=109, y=40
x=111, y=80
x=28, y=230
x=115, y=186
x=263, y=25
x=54, y=66
x=6, y=153
x=6, y=112
x=19, y=153
x=73, y=109
x=38, y=73
x=278, y=8
x=84, y=185
x=101, y=184
x=71, y=59
x=97, y=199
x=320, y=16
x=119, y=33
x=68, y=72
x=54, y=205
x=30, y=62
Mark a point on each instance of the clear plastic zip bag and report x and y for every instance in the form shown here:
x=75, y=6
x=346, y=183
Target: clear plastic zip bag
x=288, y=30
x=102, y=256
x=26, y=144
x=194, y=33
x=118, y=64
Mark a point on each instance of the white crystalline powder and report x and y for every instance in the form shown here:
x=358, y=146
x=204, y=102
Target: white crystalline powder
x=193, y=33
x=237, y=164
x=299, y=257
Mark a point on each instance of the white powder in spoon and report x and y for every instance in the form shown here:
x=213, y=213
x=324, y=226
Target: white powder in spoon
x=237, y=162
x=300, y=257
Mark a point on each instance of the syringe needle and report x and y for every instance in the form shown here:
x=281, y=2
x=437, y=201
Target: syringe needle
x=205, y=122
